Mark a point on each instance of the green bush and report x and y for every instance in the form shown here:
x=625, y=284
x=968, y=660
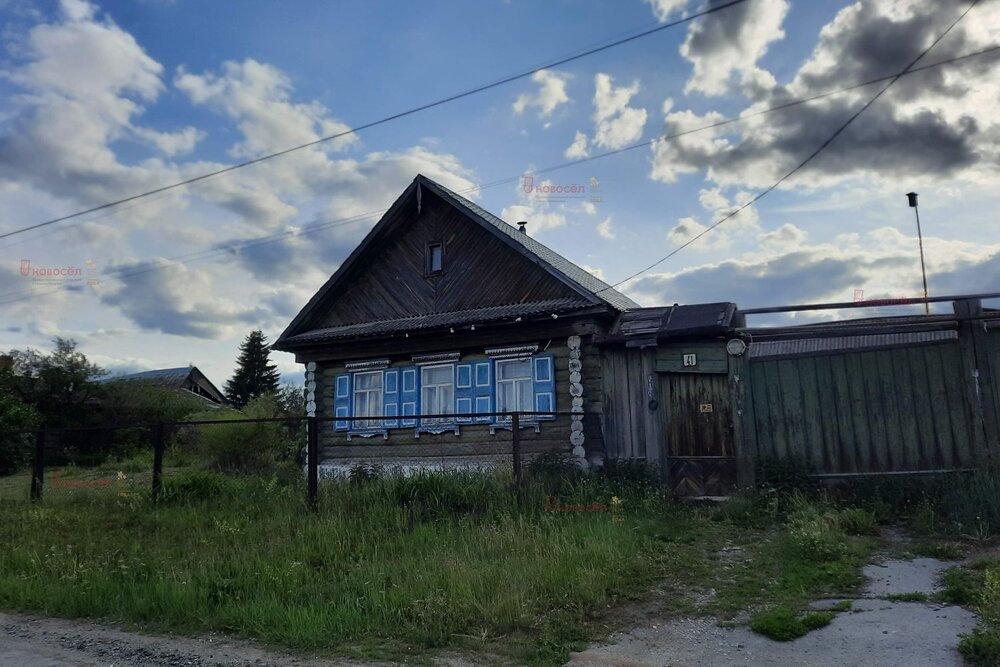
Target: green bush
x=981, y=647
x=197, y=486
x=960, y=586
x=247, y=447
x=15, y=449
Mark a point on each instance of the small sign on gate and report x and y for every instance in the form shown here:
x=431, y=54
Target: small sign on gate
x=690, y=359
x=705, y=407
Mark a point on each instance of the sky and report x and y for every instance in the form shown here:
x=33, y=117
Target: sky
x=103, y=101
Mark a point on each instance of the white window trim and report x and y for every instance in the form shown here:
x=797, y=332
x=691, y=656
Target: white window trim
x=375, y=417
x=529, y=378
x=424, y=386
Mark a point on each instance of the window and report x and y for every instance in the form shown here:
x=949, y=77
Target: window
x=367, y=399
x=435, y=258
x=437, y=391
x=514, y=390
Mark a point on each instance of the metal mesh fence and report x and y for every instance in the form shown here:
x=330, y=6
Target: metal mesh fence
x=138, y=460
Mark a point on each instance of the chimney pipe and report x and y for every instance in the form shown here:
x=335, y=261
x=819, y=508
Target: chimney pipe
x=521, y=226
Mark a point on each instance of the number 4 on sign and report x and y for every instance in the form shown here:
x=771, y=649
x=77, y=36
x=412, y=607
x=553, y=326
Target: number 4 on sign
x=690, y=359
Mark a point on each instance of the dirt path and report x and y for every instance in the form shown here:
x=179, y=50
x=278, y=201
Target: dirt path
x=876, y=632
x=50, y=642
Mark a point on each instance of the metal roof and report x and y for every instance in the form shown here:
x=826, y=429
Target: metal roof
x=578, y=275
x=644, y=326
x=164, y=376
x=433, y=320
x=760, y=349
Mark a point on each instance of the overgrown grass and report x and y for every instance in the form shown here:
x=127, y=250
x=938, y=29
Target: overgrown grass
x=385, y=567
x=393, y=566
x=978, y=587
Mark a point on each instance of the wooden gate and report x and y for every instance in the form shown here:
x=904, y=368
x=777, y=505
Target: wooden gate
x=701, y=455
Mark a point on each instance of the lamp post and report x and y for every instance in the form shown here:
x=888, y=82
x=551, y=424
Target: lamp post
x=912, y=197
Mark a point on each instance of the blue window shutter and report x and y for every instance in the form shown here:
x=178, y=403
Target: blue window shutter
x=409, y=394
x=465, y=394
x=483, y=388
x=544, y=383
x=342, y=400
x=390, y=397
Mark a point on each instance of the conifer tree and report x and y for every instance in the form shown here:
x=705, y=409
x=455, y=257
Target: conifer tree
x=255, y=375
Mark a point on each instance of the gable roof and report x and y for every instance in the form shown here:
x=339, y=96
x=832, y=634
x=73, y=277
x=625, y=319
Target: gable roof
x=577, y=275
x=175, y=378
x=592, y=291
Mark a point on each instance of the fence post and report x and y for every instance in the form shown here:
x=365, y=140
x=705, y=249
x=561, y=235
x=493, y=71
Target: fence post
x=158, y=447
x=515, y=426
x=38, y=467
x=312, y=461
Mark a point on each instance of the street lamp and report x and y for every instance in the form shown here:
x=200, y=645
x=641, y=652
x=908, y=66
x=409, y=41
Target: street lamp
x=912, y=197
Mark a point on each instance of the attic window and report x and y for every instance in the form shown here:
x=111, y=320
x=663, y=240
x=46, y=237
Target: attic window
x=435, y=258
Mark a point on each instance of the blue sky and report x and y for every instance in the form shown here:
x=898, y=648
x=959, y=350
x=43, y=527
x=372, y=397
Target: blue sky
x=100, y=101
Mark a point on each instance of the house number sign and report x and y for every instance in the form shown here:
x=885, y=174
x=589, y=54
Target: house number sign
x=705, y=407
x=690, y=359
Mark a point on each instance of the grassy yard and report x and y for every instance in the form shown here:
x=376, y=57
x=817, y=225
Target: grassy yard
x=398, y=567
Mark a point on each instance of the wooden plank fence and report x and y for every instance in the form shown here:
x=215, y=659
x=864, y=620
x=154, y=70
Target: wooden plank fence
x=918, y=407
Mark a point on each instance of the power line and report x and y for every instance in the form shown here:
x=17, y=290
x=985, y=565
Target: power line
x=386, y=119
x=237, y=246
x=664, y=137
x=801, y=165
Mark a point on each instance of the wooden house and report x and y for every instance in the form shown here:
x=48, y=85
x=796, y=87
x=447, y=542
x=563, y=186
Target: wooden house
x=444, y=308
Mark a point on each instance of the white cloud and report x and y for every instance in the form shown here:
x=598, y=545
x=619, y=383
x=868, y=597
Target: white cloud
x=605, y=230
x=172, y=143
x=732, y=42
x=539, y=219
x=81, y=86
x=950, y=108
x=258, y=97
x=664, y=9
x=882, y=262
x=578, y=149
x=550, y=95
x=746, y=222
x=617, y=123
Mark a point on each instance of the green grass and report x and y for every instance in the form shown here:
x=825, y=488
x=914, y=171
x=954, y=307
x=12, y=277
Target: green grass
x=784, y=624
x=977, y=586
x=398, y=567
x=382, y=569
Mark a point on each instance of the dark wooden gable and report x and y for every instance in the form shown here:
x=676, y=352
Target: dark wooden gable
x=389, y=280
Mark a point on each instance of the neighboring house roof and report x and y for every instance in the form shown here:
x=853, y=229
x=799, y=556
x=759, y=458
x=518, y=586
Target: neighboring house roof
x=592, y=291
x=187, y=378
x=645, y=326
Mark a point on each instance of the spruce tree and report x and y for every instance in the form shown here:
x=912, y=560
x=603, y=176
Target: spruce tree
x=255, y=375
